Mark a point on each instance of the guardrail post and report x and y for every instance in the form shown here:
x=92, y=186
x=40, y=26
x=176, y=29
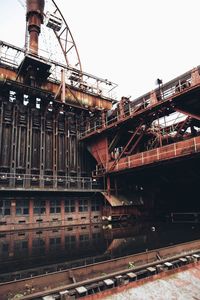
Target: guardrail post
x=128, y=158
x=195, y=145
x=174, y=149
x=158, y=154
x=195, y=77
x=153, y=98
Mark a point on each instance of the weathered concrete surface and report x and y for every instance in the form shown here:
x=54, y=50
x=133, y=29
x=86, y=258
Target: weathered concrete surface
x=180, y=286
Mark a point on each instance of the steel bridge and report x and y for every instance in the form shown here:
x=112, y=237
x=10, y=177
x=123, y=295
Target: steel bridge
x=51, y=111
x=159, y=126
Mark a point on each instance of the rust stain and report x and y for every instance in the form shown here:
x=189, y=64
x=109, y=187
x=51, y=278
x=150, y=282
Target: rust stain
x=180, y=286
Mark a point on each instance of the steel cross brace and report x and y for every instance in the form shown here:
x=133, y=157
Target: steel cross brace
x=126, y=147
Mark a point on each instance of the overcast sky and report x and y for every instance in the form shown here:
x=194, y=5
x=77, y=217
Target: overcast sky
x=130, y=42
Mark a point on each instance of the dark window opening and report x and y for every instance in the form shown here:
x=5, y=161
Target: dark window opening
x=95, y=205
x=5, y=206
x=22, y=207
x=69, y=205
x=39, y=207
x=83, y=205
x=55, y=206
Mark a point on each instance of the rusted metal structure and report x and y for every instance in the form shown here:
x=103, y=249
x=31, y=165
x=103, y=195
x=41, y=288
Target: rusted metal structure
x=60, y=132
x=70, y=154
x=144, y=124
x=34, y=15
x=160, y=127
x=43, y=106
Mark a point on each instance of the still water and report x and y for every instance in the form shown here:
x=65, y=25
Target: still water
x=80, y=245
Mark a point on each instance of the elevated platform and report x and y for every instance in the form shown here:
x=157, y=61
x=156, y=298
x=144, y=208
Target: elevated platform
x=180, y=150
x=179, y=95
x=35, y=183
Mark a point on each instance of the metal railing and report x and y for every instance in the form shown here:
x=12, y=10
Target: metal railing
x=151, y=156
x=166, y=91
x=162, y=153
x=13, y=56
x=57, y=183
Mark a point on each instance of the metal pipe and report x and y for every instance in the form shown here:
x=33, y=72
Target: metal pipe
x=34, y=17
x=63, y=85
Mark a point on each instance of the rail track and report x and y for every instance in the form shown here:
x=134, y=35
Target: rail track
x=91, y=279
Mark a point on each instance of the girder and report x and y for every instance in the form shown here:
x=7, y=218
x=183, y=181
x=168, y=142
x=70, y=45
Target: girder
x=169, y=115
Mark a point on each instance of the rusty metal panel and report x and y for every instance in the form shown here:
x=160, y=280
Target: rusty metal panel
x=39, y=146
x=84, y=98
x=185, y=147
x=150, y=156
x=99, y=150
x=197, y=144
x=137, y=160
x=180, y=149
x=166, y=152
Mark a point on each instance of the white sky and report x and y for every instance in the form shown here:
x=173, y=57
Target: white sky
x=130, y=42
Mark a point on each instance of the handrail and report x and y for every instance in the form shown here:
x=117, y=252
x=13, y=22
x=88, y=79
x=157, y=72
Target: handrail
x=174, y=87
x=154, y=155
x=42, y=182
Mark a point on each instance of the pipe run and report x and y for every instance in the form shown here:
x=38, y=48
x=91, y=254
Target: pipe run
x=34, y=17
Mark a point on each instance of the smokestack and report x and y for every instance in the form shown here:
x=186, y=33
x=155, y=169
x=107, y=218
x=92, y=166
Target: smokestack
x=34, y=17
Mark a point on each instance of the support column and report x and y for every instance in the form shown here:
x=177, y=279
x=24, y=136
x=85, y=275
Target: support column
x=55, y=147
x=14, y=145
x=63, y=85
x=28, y=147
x=42, y=149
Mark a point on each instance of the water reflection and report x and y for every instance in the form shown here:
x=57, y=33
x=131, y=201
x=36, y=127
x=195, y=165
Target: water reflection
x=35, y=248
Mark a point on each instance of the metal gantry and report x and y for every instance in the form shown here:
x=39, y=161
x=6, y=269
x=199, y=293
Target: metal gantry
x=165, y=119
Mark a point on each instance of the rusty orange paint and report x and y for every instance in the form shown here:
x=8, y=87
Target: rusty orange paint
x=173, y=151
x=86, y=99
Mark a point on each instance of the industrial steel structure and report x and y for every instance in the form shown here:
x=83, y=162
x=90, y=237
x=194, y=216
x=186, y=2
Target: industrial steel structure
x=65, y=141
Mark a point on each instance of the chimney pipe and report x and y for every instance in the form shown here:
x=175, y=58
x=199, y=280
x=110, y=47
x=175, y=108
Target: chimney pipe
x=34, y=17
